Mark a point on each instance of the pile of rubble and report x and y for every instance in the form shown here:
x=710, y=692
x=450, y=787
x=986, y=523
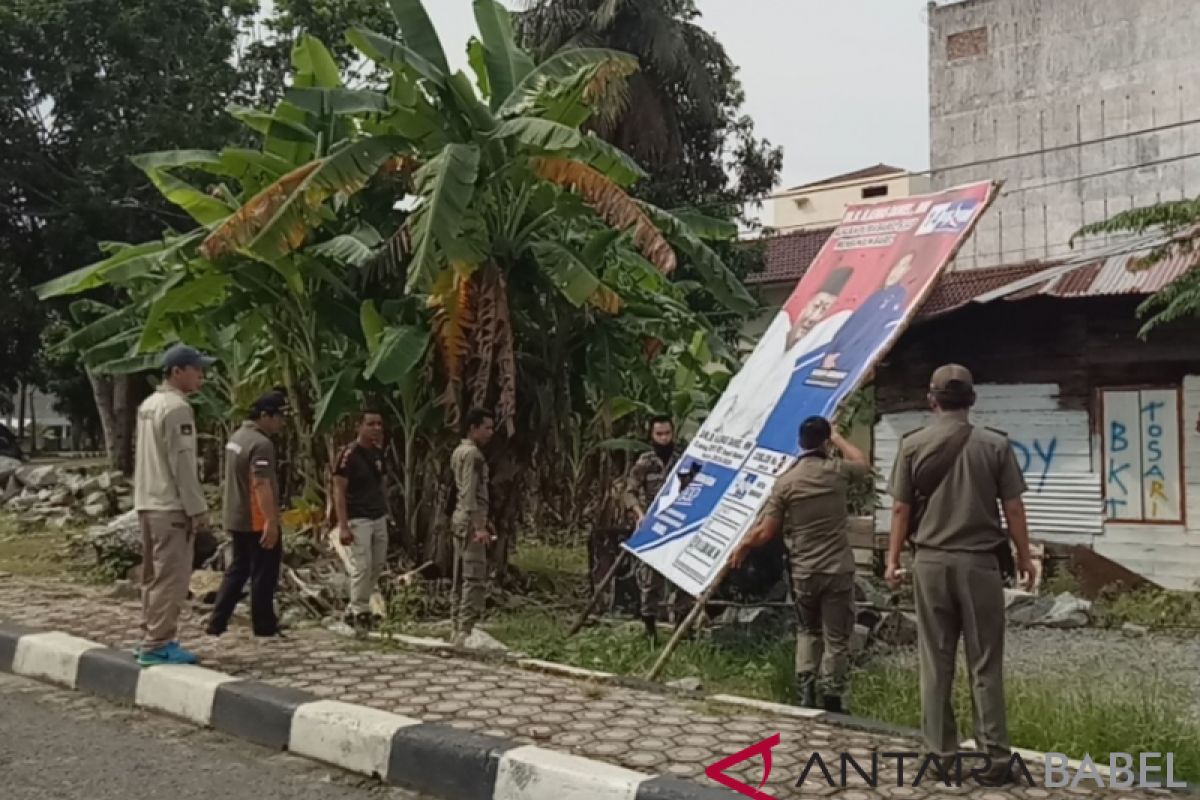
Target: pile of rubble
x=56, y=496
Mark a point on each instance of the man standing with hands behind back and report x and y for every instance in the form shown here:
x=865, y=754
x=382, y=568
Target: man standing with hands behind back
x=948, y=483
x=472, y=531
x=169, y=502
x=360, y=499
x=251, y=510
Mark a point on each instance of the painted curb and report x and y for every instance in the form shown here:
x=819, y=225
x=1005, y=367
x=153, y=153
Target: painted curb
x=433, y=759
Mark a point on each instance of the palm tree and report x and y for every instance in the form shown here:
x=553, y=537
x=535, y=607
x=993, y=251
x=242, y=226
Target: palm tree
x=681, y=110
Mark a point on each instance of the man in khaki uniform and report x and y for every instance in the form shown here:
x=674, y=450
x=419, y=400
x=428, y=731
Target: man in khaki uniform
x=808, y=506
x=948, y=483
x=472, y=531
x=641, y=487
x=169, y=502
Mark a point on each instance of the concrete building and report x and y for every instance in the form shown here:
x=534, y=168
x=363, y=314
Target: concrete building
x=821, y=204
x=1083, y=107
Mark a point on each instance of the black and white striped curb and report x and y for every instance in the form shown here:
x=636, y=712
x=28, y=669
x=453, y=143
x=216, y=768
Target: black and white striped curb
x=437, y=760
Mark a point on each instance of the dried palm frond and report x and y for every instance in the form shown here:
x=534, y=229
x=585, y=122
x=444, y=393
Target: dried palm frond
x=453, y=320
x=616, y=207
x=244, y=224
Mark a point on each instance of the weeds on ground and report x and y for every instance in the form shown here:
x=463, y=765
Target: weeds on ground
x=1150, y=606
x=1074, y=713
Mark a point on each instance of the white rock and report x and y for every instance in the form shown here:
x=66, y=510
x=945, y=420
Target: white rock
x=482, y=640
x=8, y=466
x=687, y=684
x=38, y=477
x=95, y=510
x=22, y=502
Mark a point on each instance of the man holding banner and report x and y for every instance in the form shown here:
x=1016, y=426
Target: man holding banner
x=855, y=298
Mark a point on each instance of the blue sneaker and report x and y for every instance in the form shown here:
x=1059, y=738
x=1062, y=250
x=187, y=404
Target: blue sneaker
x=170, y=653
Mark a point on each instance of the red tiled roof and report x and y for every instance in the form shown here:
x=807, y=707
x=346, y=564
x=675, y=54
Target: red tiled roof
x=788, y=256
x=957, y=288
x=877, y=171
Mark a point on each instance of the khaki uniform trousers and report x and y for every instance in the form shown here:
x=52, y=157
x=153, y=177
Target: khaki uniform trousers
x=168, y=547
x=367, y=557
x=825, y=605
x=470, y=559
x=960, y=594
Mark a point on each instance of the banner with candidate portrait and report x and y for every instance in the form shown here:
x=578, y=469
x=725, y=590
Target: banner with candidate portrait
x=858, y=294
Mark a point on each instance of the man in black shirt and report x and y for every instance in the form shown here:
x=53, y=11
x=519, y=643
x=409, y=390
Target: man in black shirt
x=360, y=501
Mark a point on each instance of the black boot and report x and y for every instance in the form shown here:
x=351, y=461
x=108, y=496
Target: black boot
x=806, y=690
x=651, y=629
x=833, y=704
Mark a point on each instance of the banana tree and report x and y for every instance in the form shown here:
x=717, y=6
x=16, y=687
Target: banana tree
x=523, y=254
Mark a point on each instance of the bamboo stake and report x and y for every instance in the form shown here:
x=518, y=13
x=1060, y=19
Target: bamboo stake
x=598, y=593
x=688, y=622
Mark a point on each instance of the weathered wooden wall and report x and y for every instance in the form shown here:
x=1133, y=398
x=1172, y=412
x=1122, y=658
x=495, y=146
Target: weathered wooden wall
x=1040, y=365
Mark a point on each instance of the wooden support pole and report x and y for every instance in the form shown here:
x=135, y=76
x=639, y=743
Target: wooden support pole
x=598, y=592
x=688, y=622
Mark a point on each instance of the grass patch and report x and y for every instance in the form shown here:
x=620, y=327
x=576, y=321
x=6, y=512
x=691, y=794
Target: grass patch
x=31, y=555
x=756, y=669
x=1094, y=712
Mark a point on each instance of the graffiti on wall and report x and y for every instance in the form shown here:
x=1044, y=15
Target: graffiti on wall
x=1142, y=455
x=1036, y=458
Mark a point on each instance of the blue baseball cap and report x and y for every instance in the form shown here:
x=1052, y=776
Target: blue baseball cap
x=181, y=356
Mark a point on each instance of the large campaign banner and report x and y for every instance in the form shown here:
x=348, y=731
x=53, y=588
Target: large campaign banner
x=868, y=280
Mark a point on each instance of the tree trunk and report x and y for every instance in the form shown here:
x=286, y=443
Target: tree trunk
x=118, y=413
x=35, y=441
x=21, y=413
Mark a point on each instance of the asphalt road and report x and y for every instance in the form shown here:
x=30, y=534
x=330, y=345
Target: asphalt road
x=67, y=746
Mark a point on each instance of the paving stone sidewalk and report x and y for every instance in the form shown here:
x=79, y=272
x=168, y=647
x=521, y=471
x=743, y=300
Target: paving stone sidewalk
x=641, y=730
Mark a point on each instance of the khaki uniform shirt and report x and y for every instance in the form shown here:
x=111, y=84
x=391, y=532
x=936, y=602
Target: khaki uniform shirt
x=645, y=479
x=471, y=484
x=249, y=455
x=165, y=474
x=964, y=512
x=809, y=501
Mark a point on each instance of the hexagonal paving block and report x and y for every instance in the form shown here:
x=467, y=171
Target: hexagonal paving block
x=604, y=749
x=696, y=740
x=587, y=725
x=661, y=731
x=571, y=739
x=644, y=759
x=448, y=707
x=688, y=754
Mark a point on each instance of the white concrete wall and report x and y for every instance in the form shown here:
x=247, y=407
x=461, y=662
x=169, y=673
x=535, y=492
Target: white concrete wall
x=1054, y=75
x=824, y=206
x=1061, y=457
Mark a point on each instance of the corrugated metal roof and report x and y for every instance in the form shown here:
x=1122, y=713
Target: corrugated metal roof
x=956, y=288
x=1119, y=274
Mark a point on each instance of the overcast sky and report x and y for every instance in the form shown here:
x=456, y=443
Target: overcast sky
x=841, y=84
